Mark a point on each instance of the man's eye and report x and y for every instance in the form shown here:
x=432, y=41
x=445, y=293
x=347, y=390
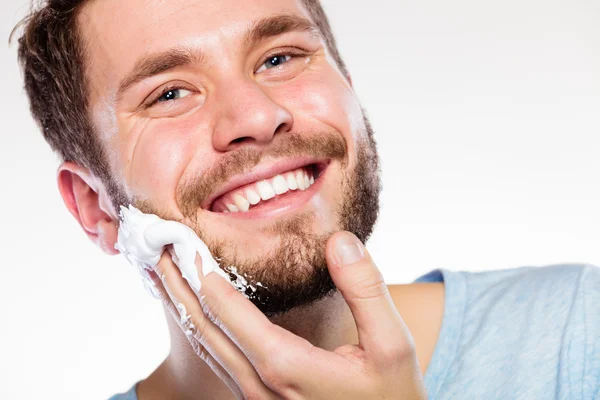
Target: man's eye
x=275, y=61
x=174, y=94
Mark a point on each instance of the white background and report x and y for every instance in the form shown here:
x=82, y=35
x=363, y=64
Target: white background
x=487, y=115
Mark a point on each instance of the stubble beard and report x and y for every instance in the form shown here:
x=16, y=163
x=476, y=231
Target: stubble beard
x=295, y=275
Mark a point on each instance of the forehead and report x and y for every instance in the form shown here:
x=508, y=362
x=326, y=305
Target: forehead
x=117, y=32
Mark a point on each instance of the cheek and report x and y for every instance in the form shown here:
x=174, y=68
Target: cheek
x=161, y=156
x=325, y=96
x=324, y=101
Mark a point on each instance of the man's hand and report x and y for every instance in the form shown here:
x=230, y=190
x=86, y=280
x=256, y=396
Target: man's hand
x=260, y=360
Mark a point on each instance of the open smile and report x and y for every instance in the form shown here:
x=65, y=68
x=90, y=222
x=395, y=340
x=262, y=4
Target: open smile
x=268, y=190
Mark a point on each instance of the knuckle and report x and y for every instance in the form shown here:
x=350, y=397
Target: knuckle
x=198, y=329
x=370, y=287
x=268, y=374
x=277, y=374
x=214, y=305
x=404, y=352
x=229, y=294
x=251, y=391
x=211, y=308
x=201, y=352
x=397, y=353
x=193, y=325
x=252, y=396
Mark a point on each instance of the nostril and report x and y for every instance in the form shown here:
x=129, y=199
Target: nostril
x=242, y=140
x=283, y=127
x=261, y=137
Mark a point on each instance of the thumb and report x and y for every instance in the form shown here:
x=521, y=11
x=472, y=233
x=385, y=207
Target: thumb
x=380, y=326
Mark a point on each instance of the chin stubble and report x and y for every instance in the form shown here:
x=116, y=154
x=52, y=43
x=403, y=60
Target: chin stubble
x=295, y=275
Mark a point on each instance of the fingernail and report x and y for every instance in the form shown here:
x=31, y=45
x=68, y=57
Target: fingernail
x=348, y=249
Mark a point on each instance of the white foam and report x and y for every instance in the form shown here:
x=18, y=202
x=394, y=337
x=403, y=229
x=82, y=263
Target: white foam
x=143, y=237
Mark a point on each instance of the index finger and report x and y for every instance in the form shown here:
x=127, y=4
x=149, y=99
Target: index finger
x=208, y=341
x=245, y=324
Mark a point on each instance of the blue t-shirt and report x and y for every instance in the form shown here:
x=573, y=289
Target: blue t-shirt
x=522, y=333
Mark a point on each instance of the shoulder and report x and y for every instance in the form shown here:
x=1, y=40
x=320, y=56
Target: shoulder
x=582, y=333
x=534, y=292
x=526, y=332
x=555, y=283
x=535, y=295
x=550, y=313
x=540, y=276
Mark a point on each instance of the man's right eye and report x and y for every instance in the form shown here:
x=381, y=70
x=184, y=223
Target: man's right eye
x=172, y=94
x=172, y=99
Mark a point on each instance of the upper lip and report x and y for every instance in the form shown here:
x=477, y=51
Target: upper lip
x=259, y=173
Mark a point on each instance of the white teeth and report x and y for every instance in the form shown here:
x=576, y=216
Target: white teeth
x=280, y=185
x=252, y=197
x=291, y=181
x=265, y=190
x=241, y=200
x=241, y=203
x=306, y=181
x=300, y=179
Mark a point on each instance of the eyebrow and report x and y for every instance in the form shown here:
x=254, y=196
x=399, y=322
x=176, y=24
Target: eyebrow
x=157, y=63
x=278, y=25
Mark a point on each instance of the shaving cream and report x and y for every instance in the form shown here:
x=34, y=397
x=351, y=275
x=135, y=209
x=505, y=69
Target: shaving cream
x=143, y=237
x=185, y=320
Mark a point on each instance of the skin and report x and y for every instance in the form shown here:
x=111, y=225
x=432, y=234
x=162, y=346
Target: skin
x=230, y=103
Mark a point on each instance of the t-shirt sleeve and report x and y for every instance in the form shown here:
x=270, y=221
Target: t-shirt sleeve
x=129, y=395
x=587, y=312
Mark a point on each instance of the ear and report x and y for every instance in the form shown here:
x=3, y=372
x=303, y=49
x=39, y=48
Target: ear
x=87, y=200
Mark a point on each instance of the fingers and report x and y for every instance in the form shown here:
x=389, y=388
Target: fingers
x=266, y=345
x=166, y=298
x=228, y=360
x=162, y=233
x=380, y=327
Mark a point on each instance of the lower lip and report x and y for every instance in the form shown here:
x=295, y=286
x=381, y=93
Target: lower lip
x=278, y=206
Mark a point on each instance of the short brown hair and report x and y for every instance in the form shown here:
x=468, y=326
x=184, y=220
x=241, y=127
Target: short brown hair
x=51, y=54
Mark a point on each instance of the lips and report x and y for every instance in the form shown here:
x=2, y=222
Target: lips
x=264, y=184
x=242, y=199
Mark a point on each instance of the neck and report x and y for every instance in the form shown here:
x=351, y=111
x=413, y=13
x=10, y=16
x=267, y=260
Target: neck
x=327, y=324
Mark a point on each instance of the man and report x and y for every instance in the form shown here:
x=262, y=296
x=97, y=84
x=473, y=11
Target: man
x=238, y=119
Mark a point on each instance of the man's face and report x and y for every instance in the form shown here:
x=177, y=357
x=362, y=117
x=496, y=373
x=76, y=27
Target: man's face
x=232, y=117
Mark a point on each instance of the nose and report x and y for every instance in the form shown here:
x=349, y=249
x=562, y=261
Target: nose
x=247, y=115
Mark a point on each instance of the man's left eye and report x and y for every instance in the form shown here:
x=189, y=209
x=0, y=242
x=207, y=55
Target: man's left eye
x=275, y=61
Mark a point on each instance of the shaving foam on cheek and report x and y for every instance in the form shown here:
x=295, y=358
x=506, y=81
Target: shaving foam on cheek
x=131, y=244
x=143, y=237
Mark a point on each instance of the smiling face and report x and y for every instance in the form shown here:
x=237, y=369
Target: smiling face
x=232, y=117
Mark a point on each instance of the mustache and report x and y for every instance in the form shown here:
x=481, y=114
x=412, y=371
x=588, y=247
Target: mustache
x=329, y=145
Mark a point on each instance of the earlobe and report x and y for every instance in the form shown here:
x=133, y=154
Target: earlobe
x=84, y=195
